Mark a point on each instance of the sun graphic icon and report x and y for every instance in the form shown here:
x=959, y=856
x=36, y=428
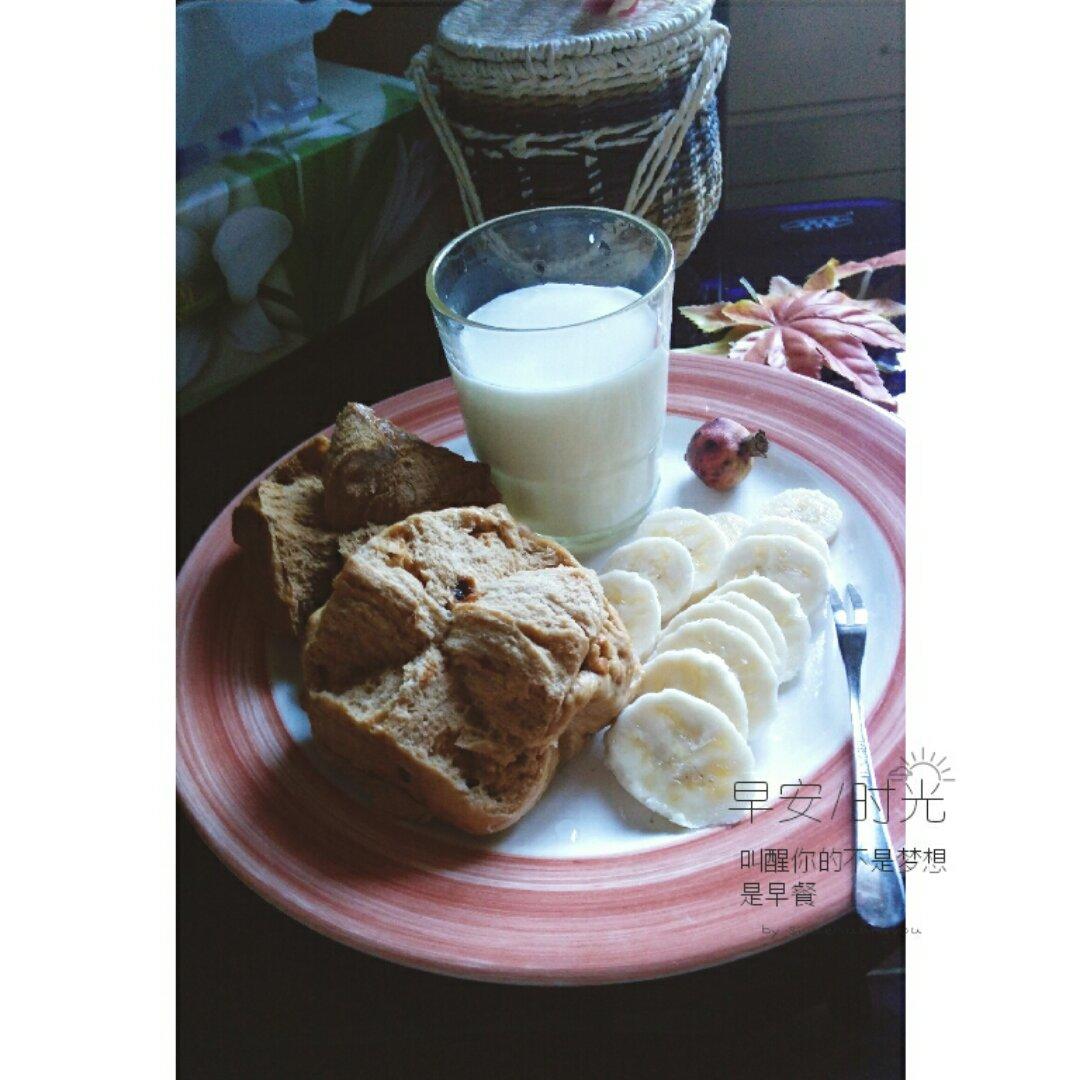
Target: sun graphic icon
x=926, y=771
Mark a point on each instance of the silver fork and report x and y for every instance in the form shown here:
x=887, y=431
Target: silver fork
x=879, y=893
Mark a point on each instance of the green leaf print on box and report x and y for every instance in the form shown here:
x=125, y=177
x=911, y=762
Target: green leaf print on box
x=278, y=245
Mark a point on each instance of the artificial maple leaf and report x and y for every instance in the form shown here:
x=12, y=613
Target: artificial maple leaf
x=833, y=272
x=810, y=327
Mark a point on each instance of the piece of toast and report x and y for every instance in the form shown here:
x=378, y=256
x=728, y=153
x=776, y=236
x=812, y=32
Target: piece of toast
x=459, y=658
x=292, y=550
x=400, y=725
x=393, y=597
x=534, y=650
x=350, y=541
x=378, y=473
x=290, y=554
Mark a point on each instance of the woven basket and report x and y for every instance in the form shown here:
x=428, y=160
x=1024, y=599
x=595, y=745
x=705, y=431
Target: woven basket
x=538, y=104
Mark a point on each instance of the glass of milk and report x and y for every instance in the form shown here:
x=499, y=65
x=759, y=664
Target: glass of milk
x=556, y=323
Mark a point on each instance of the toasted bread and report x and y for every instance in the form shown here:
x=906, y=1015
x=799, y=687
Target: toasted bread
x=290, y=554
x=400, y=726
x=521, y=651
x=459, y=658
x=378, y=473
x=292, y=548
x=393, y=597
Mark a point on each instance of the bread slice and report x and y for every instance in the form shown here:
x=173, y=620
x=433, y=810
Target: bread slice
x=394, y=595
x=377, y=472
x=459, y=658
x=528, y=651
x=401, y=727
x=350, y=541
x=290, y=553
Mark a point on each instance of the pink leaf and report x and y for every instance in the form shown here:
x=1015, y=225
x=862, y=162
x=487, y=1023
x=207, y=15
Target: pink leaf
x=824, y=277
x=804, y=355
x=712, y=318
x=894, y=258
x=851, y=360
x=887, y=309
x=760, y=347
x=780, y=286
x=709, y=318
x=811, y=327
x=833, y=272
x=748, y=313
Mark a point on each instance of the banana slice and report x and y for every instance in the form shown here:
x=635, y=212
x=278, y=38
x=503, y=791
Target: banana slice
x=699, y=535
x=700, y=674
x=811, y=507
x=740, y=652
x=767, y=622
x=785, y=609
x=635, y=599
x=663, y=562
x=787, y=561
x=731, y=525
x=723, y=609
x=681, y=757
x=778, y=526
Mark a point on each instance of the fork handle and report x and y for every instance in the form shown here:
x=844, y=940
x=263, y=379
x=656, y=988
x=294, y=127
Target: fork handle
x=879, y=893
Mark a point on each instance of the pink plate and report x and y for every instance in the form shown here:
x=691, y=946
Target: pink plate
x=421, y=898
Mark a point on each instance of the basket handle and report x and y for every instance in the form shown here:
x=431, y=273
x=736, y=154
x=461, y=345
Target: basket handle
x=658, y=159
x=429, y=101
x=656, y=163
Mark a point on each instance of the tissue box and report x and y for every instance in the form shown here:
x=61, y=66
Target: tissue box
x=276, y=245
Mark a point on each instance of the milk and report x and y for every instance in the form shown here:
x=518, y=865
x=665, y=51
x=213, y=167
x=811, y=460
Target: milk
x=569, y=418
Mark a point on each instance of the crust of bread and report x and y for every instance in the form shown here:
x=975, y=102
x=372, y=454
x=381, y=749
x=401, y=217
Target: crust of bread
x=400, y=728
x=436, y=795
x=459, y=659
x=351, y=542
x=601, y=698
x=295, y=536
x=521, y=650
x=378, y=472
x=290, y=555
x=394, y=595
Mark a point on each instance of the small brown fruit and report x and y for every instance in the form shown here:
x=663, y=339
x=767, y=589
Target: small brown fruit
x=721, y=452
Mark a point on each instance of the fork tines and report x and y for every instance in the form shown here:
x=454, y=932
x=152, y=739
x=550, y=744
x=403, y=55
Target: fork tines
x=858, y=609
x=839, y=611
x=856, y=616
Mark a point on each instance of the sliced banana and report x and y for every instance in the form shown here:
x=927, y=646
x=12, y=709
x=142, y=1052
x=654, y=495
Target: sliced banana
x=787, y=561
x=768, y=623
x=700, y=535
x=663, y=562
x=779, y=526
x=740, y=652
x=731, y=525
x=635, y=599
x=701, y=675
x=723, y=609
x=811, y=507
x=785, y=609
x=681, y=757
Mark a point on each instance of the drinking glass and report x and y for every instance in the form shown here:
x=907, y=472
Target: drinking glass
x=556, y=324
